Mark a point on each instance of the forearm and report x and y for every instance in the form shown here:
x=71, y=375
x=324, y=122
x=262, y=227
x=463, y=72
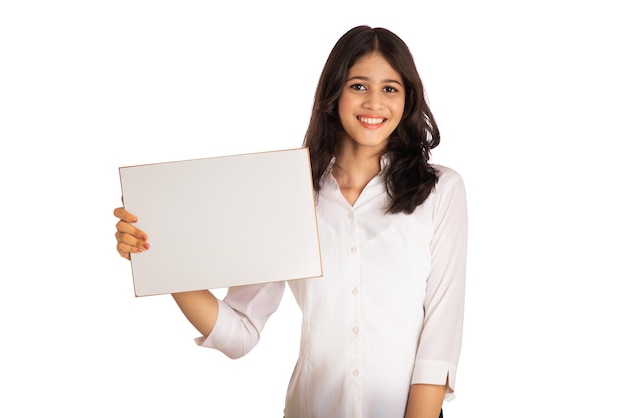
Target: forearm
x=200, y=308
x=425, y=401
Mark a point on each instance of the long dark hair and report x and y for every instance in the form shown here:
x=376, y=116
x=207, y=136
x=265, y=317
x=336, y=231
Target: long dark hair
x=409, y=177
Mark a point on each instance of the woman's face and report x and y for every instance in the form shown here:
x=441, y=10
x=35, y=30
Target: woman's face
x=371, y=103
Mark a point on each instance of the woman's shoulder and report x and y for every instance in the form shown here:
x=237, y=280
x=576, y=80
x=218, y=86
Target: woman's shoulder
x=449, y=190
x=450, y=184
x=447, y=175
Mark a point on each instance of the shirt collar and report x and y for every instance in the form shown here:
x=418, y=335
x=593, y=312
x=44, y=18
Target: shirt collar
x=384, y=163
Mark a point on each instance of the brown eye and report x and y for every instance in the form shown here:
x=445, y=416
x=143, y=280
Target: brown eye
x=358, y=86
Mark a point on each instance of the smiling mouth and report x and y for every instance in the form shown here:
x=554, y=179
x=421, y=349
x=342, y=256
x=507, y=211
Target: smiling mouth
x=371, y=121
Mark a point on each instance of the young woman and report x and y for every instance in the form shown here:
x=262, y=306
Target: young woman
x=381, y=332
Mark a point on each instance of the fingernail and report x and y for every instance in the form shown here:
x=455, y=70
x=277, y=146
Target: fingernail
x=146, y=246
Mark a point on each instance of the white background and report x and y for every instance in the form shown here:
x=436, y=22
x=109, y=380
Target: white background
x=529, y=97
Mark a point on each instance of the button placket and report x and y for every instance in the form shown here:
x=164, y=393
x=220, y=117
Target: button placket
x=356, y=300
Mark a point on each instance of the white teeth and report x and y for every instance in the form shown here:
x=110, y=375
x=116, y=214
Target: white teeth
x=372, y=121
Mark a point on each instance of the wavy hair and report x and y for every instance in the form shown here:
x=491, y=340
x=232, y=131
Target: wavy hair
x=409, y=178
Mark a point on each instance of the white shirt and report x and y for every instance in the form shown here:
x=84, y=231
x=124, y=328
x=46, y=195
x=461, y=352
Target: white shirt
x=387, y=313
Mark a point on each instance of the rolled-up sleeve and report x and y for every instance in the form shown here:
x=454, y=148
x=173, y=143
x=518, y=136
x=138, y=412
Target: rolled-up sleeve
x=440, y=340
x=241, y=318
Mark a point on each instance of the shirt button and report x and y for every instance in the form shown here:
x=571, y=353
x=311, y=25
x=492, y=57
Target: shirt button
x=353, y=250
x=355, y=330
x=350, y=215
x=355, y=291
x=355, y=373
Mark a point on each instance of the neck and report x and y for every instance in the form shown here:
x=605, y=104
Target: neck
x=358, y=161
x=354, y=170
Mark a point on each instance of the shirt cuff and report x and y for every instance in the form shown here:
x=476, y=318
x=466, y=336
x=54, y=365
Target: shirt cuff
x=435, y=373
x=221, y=331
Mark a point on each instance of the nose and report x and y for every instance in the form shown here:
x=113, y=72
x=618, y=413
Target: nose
x=374, y=100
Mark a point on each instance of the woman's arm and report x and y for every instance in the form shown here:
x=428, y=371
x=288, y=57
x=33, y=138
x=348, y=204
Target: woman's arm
x=232, y=326
x=425, y=401
x=200, y=307
x=440, y=340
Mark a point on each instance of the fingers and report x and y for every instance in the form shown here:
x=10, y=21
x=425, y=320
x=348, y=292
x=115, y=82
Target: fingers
x=126, y=250
x=128, y=234
x=124, y=227
x=128, y=243
x=129, y=238
x=124, y=215
x=137, y=239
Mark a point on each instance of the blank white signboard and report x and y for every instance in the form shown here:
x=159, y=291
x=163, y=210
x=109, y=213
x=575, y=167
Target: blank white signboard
x=223, y=221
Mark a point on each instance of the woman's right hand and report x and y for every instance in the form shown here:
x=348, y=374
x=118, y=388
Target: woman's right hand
x=199, y=306
x=129, y=238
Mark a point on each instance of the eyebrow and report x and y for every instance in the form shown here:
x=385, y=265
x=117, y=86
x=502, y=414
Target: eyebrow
x=363, y=78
